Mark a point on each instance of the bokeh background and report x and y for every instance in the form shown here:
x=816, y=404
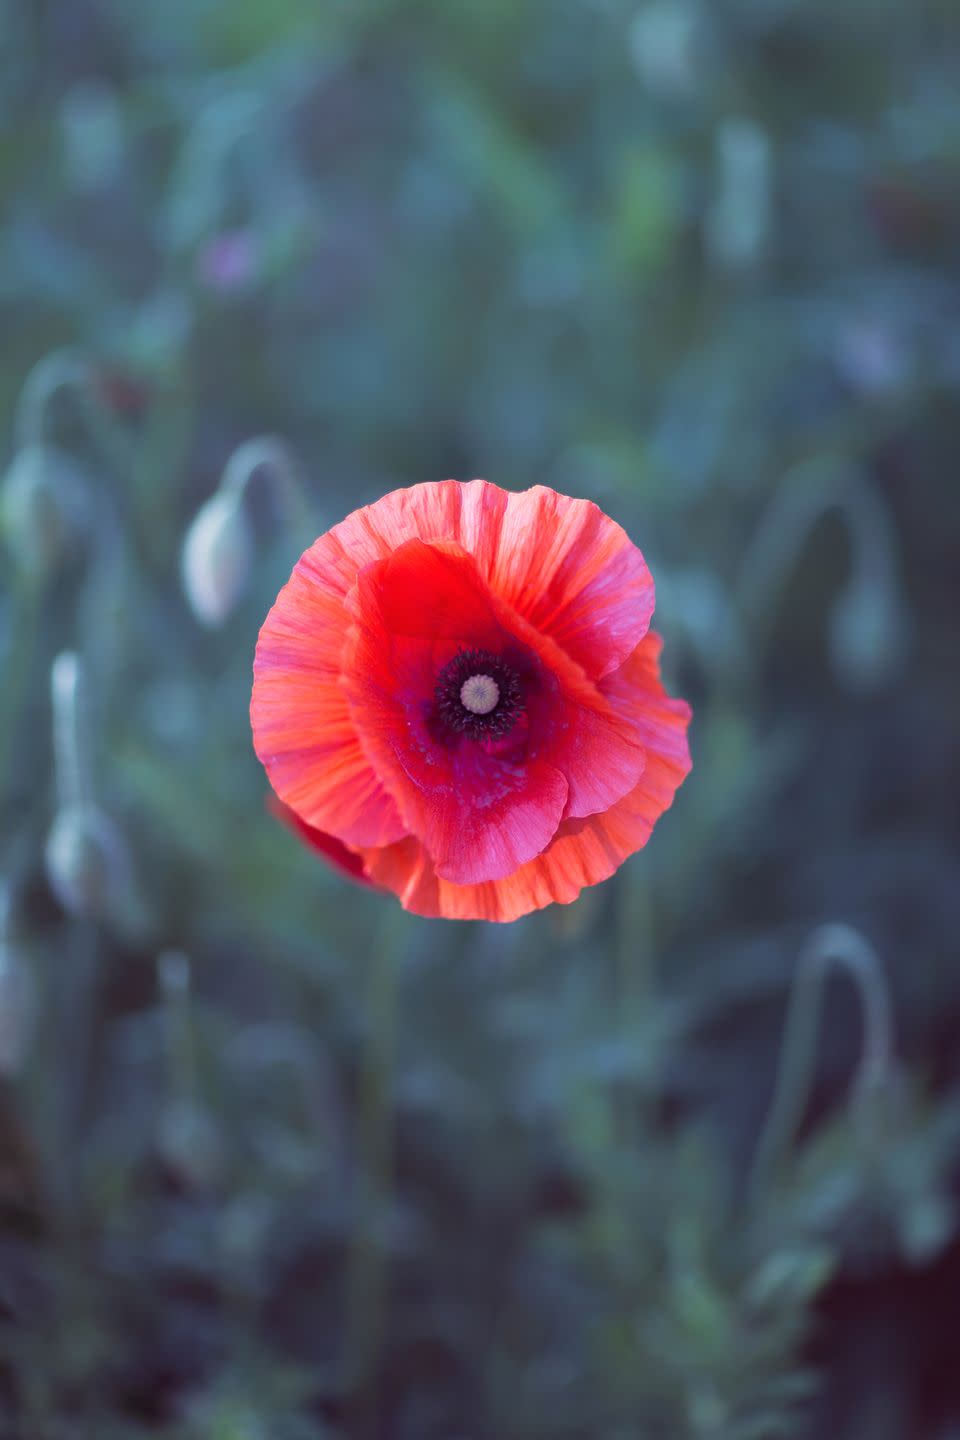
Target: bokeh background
x=277, y=1160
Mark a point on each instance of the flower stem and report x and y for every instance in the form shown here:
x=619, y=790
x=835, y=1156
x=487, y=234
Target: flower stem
x=634, y=951
x=18, y=678
x=634, y=994
x=78, y=1022
x=366, y=1273
x=268, y=452
x=71, y=755
x=58, y=371
x=809, y=491
x=830, y=947
x=173, y=983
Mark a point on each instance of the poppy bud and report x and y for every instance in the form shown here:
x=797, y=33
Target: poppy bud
x=85, y=856
x=217, y=555
x=866, y=636
x=190, y=1144
x=739, y=221
x=42, y=507
x=666, y=45
x=91, y=123
x=159, y=332
x=85, y=860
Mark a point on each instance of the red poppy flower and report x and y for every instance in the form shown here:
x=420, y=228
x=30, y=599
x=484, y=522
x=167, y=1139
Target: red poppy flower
x=336, y=854
x=458, y=696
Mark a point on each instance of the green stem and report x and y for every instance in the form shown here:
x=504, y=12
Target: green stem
x=366, y=1272
x=635, y=971
x=58, y=371
x=76, y=1000
x=810, y=490
x=18, y=674
x=173, y=983
x=70, y=747
x=830, y=947
x=633, y=995
x=269, y=453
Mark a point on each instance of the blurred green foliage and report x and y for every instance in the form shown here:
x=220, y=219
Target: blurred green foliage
x=276, y=1159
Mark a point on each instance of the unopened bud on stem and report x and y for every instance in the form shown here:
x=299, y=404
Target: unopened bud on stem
x=60, y=370
x=831, y=947
x=218, y=547
x=85, y=856
x=217, y=554
x=43, y=508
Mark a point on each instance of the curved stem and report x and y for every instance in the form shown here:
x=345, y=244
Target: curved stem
x=831, y=947
x=807, y=493
x=224, y=124
x=70, y=370
x=173, y=983
x=60, y=370
x=635, y=982
x=267, y=452
x=20, y=674
x=70, y=745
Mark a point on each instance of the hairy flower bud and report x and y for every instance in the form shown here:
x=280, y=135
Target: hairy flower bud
x=738, y=222
x=190, y=1143
x=667, y=45
x=42, y=507
x=92, y=131
x=216, y=559
x=86, y=860
x=866, y=636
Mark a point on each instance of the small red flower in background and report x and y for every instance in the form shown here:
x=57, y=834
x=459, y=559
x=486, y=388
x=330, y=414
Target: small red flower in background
x=458, y=696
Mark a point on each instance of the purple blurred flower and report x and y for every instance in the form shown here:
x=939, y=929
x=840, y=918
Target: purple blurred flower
x=229, y=262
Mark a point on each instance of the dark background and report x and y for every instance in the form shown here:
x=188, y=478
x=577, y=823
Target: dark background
x=277, y=1160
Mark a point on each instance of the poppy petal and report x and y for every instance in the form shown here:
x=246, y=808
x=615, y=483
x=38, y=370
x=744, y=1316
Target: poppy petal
x=414, y=611
x=480, y=811
x=336, y=854
x=584, y=852
x=562, y=564
x=568, y=569
x=302, y=730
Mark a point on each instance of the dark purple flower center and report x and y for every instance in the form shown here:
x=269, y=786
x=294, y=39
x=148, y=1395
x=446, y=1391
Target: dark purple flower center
x=478, y=694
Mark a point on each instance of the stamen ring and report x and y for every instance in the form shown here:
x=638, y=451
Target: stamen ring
x=478, y=694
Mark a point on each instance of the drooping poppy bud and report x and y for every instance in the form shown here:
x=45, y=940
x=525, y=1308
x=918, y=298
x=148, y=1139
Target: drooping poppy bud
x=667, y=46
x=217, y=555
x=189, y=1140
x=93, y=135
x=86, y=860
x=43, y=503
x=190, y=1143
x=738, y=223
x=867, y=640
x=218, y=549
